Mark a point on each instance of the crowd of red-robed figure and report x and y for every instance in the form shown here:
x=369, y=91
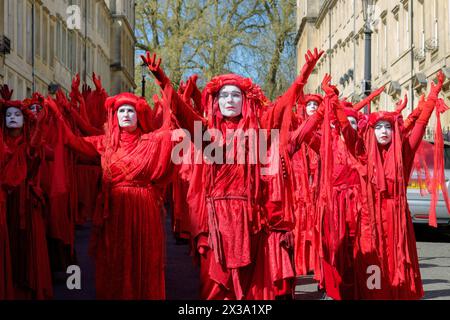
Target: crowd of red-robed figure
x=335, y=208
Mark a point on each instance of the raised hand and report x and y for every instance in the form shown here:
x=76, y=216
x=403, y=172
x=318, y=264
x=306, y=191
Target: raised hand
x=193, y=78
x=50, y=105
x=86, y=91
x=401, y=104
x=327, y=87
x=97, y=82
x=182, y=87
x=154, y=65
x=62, y=100
x=310, y=62
x=436, y=88
x=312, y=58
x=76, y=82
x=151, y=62
x=5, y=92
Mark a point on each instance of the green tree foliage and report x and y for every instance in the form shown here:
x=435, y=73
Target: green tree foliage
x=212, y=37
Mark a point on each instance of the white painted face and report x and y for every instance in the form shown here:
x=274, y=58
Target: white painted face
x=353, y=122
x=35, y=108
x=230, y=101
x=14, y=118
x=311, y=108
x=127, y=117
x=383, y=132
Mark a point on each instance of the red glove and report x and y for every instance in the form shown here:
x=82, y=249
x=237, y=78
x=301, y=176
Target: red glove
x=401, y=104
x=76, y=83
x=427, y=108
x=310, y=63
x=97, y=82
x=436, y=88
x=86, y=91
x=5, y=92
x=51, y=105
x=155, y=67
x=329, y=89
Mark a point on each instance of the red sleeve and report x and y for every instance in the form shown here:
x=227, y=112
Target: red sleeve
x=84, y=126
x=85, y=145
x=185, y=115
x=306, y=133
x=411, y=120
x=417, y=133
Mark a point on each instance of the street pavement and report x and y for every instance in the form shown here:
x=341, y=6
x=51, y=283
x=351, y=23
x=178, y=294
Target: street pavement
x=433, y=247
x=182, y=278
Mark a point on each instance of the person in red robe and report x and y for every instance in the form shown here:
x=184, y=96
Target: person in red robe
x=385, y=243
x=6, y=284
x=241, y=252
x=333, y=228
x=305, y=164
x=20, y=180
x=128, y=241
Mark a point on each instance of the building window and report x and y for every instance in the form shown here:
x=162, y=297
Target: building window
x=52, y=45
x=435, y=19
x=45, y=37
x=11, y=22
x=64, y=46
x=20, y=89
x=37, y=31
x=406, y=26
x=20, y=18
x=397, y=34
x=29, y=38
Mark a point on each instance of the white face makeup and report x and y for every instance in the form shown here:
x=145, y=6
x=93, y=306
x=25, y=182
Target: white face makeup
x=353, y=122
x=383, y=132
x=230, y=101
x=127, y=117
x=35, y=108
x=311, y=108
x=14, y=118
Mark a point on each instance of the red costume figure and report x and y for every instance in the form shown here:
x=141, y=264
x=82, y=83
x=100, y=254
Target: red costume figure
x=334, y=225
x=128, y=241
x=6, y=284
x=306, y=167
x=304, y=162
x=385, y=241
x=86, y=116
x=60, y=229
x=241, y=256
x=20, y=181
x=338, y=216
x=183, y=172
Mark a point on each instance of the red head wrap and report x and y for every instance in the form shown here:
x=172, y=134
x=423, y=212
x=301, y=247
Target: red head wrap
x=254, y=98
x=313, y=97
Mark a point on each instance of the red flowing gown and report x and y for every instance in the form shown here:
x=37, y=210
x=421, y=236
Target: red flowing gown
x=385, y=235
x=6, y=288
x=26, y=225
x=129, y=239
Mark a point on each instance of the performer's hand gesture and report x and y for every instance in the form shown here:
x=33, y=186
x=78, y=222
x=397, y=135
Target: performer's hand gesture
x=401, y=104
x=5, y=92
x=154, y=65
x=50, y=105
x=329, y=89
x=436, y=88
x=97, y=82
x=76, y=83
x=312, y=58
x=310, y=62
